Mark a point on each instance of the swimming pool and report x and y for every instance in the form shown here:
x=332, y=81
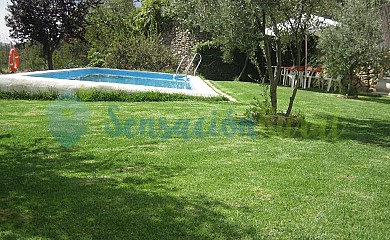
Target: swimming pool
x=104, y=78
x=153, y=79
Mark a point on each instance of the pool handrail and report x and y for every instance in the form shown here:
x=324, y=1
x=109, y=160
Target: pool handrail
x=181, y=62
x=189, y=65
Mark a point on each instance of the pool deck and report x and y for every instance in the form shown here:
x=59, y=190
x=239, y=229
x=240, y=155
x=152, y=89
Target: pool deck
x=21, y=81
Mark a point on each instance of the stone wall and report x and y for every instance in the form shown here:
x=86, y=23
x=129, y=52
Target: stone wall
x=182, y=42
x=365, y=81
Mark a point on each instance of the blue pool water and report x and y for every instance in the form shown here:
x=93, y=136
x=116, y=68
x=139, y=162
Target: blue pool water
x=152, y=79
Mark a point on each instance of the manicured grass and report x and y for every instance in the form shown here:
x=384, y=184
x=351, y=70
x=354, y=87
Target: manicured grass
x=274, y=185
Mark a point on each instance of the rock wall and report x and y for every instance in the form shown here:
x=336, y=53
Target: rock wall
x=182, y=43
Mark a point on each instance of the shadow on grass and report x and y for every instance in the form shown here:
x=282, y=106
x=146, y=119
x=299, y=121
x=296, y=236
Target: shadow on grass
x=366, y=131
x=2, y=136
x=374, y=98
x=318, y=90
x=50, y=192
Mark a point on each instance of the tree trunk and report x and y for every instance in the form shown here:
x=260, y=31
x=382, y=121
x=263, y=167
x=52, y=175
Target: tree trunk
x=48, y=50
x=272, y=80
x=296, y=83
x=349, y=90
x=244, y=68
x=291, y=103
x=274, y=83
x=50, y=60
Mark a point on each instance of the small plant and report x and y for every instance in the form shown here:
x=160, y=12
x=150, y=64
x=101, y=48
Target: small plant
x=280, y=119
x=260, y=111
x=24, y=94
x=261, y=107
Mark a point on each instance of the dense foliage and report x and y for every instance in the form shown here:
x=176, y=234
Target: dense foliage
x=122, y=36
x=68, y=55
x=241, y=25
x=48, y=22
x=354, y=42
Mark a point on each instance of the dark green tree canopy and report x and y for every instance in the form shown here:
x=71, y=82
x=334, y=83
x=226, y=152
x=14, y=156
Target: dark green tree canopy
x=48, y=21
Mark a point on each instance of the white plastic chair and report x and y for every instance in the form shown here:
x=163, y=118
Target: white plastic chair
x=315, y=77
x=336, y=83
x=284, y=74
x=290, y=76
x=307, y=78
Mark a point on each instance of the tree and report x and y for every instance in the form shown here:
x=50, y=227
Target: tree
x=241, y=24
x=122, y=36
x=354, y=42
x=234, y=25
x=48, y=22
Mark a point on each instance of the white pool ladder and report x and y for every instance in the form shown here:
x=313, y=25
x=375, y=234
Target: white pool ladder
x=189, y=64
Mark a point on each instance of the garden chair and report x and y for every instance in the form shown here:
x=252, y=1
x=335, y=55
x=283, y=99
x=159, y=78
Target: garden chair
x=335, y=82
x=297, y=76
x=315, y=77
x=306, y=81
x=284, y=75
x=290, y=76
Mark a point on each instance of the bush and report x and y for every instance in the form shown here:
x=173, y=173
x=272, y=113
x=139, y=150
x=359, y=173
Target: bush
x=68, y=55
x=96, y=59
x=140, y=52
x=213, y=67
x=31, y=58
x=260, y=112
x=23, y=94
x=71, y=55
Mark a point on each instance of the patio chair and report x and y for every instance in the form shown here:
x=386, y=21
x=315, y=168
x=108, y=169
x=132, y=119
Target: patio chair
x=336, y=82
x=284, y=75
x=315, y=77
x=306, y=81
x=297, y=76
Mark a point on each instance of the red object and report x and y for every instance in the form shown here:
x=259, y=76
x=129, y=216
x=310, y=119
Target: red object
x=298, y=68
x=291, y=68
x=319, y=69
x=14, y=60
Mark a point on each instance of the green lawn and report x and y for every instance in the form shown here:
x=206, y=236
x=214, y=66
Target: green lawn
x=273, y=185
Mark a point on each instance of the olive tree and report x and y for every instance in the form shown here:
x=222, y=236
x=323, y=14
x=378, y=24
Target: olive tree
x=242, y=24
x=354, y=42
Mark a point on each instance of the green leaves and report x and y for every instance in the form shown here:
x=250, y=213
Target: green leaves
x=354, y=42
x=122, y=36
x=48, y=22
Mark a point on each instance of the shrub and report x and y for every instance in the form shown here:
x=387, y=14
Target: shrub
x=213, y=66
x=260, y=107
x=260, y=112
x=140, y=52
